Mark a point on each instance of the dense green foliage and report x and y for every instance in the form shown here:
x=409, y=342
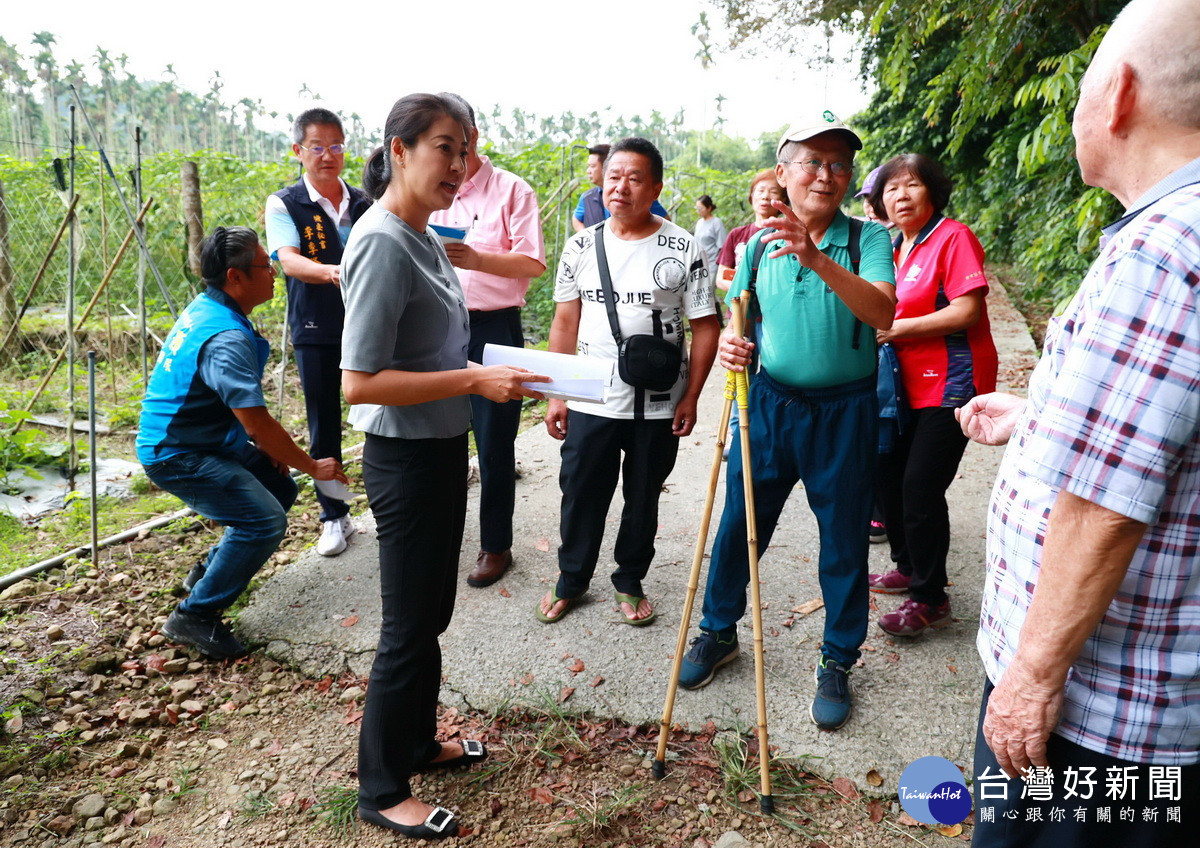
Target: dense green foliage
x=987, y=89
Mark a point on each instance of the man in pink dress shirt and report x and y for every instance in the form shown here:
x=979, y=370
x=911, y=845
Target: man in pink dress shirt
x=501, y=254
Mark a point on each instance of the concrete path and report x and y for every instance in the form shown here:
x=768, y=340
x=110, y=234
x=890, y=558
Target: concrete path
x=913, y=697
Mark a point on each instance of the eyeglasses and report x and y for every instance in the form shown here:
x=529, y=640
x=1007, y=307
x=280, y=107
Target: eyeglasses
x=814, y=166
x=319, y=151
x=272, y=266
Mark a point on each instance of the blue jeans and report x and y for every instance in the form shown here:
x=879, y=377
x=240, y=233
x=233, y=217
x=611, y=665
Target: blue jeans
x=825, y=438
x=246, y=493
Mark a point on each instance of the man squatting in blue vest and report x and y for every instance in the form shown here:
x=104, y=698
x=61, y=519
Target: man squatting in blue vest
x=206, y=437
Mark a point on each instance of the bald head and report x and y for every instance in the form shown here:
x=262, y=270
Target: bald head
x=1160, y=41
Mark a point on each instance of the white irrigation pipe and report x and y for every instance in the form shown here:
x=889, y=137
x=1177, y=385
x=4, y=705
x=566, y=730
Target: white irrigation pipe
x=46, y=564
x=125, y=535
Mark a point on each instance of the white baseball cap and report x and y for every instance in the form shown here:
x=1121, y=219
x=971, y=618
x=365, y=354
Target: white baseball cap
x=815, y=123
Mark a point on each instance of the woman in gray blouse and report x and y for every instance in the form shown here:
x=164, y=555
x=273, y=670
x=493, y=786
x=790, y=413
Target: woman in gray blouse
x=405, y=371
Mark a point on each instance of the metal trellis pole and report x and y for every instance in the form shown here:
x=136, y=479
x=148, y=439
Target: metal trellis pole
x=141, y=273
x=124, y=203
x=92, y=455
x=72, y=455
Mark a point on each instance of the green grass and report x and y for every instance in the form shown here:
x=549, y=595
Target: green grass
x=69, y=528
x=602, y=807
x=790, y=783
x=336, y=808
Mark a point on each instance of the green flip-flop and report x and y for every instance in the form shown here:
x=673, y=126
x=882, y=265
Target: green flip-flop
x=633, y=601
x=550, y=619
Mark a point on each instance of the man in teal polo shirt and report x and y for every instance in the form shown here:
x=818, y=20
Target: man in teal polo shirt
x=813, y=412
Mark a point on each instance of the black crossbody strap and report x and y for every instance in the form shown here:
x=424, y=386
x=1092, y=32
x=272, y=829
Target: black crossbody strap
x=610, y=299
x=855, y=260
x=752, y=285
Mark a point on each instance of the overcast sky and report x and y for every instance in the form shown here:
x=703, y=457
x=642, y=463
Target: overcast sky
x=541, y=56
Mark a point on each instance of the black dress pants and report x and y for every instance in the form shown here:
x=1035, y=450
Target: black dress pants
x=591, y=460
x=912, y=484
x=495, y=426
x=417, y=489
x=1092, y=800
x=321, y=379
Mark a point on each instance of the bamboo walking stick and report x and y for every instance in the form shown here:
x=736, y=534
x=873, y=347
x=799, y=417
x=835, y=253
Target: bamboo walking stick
x=659, y=768
x=765, y=802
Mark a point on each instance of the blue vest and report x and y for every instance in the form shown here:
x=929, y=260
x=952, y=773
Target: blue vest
x=316, y=312
x=180, y=412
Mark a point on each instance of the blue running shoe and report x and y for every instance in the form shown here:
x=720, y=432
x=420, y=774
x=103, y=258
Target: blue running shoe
x=831, y=706
x=709, y=652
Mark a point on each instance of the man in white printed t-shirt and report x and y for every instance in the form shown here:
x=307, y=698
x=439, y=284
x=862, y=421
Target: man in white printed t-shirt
x=659, y=276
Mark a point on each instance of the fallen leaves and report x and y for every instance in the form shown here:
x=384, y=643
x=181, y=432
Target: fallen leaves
x=874, y=778
x=349, y=621
x=950, y=830
x=845, y=787
x=541, y=794
x=543, y=545
x=576, y=666
x=504, y=593
x=599, y=679
x=808, y=607
x=875, y=811
x=565, y=693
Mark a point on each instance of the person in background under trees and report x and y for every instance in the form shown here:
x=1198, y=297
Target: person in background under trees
x=501, y=253
x=710, y=230
x=206, y=437
x=307, y=224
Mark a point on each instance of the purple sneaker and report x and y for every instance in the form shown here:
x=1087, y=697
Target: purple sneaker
x=914, y=617
x=892, y=583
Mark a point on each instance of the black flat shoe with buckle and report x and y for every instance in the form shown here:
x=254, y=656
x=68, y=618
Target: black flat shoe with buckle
x=474, y=752
x=439, y=824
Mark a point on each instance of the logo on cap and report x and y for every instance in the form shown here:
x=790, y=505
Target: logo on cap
x=829, y=116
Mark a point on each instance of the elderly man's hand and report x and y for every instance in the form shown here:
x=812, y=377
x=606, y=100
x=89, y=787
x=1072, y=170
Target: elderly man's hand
x=733, y=351
x=793, y=232
x=989, y=419
x=1020, y=715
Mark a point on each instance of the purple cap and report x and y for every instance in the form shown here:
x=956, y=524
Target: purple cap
x=869, y=183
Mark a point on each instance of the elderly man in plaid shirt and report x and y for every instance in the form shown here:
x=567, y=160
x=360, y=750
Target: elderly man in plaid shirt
x=1090, y=628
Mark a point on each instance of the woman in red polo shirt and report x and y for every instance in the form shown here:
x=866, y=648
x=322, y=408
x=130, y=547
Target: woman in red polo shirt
x=943, y=342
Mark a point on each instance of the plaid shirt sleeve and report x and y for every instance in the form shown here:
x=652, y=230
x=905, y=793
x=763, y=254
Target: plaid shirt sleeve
x=1113, y=425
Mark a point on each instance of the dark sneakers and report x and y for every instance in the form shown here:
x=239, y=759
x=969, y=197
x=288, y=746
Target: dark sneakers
x=708, y=653
x=831, y=706
x=193, y=576
x=207, y=634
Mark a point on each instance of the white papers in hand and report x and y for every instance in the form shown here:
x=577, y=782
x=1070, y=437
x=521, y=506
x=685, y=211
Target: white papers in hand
x=334, y=489
x=571, y=377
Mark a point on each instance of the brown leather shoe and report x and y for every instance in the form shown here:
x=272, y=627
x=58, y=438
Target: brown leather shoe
x=489, y=568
